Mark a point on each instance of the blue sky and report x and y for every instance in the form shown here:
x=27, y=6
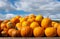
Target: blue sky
x=11, y=8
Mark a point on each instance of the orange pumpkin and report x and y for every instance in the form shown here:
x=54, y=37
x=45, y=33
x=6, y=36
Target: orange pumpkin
x=53, y=23
x=34, y=24
x=46, y=22
x=31, y=20
x=50, y=31
x=13, y=32
x=5, y=21
x=4, y=33
x=10, y=25
x=26, y=31
x=14, y=20
x=56, y=25
x=39, y=18
x=32, y=16
x=17, y=16
x=25, y=23
x=3, y=25
x=58, y=31
x=22, y=19
x=18, y=26
x=38, y=31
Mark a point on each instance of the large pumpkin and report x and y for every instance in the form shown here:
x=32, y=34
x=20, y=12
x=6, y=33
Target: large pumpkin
x=13, y=32
x=10, y=25
x=26, y=31
x=46, y=22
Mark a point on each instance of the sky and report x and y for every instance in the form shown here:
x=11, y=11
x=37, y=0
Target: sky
x=11, y=8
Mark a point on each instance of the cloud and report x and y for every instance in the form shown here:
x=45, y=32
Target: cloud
x=6, y=5
x=6, y=16
x=36, y=5
x=44, y=7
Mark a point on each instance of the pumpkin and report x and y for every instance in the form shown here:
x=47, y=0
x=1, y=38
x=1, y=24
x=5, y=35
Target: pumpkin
x=18, y=26
x=10, y=25
x=38, y=31
x=4, y=33
x=17, y=16
x=58, y=31
x=26, y=31
x=14, y=20
x=34, y=24
x=31, y=20
x=25, y=23
x=22, y=19
x=50, y=32
x=32, y=16
x=5, y=21
x=3, y=25
x=26, y=17
x=39, y=18
x=56, y=25
x=46, y=22
x=13, y=32
x=53, y=23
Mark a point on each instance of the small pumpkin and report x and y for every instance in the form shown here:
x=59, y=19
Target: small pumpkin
x=25, y=23
x=22, y=19
x=34, y=24
x=50, y=32
x=10, y=25
x=26, y=31
x=56, y=25
x=39, y=18
x=31, y=20
x=17, y=16
x=58, y=31
x=13, y=32
x=4, y=33
x=5, y=21
x=3, y=25
x=18, y=26
x=14, y=20
x=46, y=22
x=32, y=16
x=38, y=31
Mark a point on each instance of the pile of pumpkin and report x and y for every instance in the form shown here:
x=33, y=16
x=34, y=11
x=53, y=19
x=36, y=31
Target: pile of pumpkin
x=28, y=26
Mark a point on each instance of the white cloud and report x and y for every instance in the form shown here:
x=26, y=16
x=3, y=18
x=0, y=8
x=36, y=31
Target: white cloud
x=36, y=5
x=6, y=16
x=6, y=5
